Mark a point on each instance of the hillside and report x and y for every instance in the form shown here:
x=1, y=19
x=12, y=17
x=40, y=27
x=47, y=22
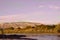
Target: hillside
x=18, y=24
x=28, y=27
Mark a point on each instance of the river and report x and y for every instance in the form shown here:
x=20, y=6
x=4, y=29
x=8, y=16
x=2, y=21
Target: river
x=39, y=37
x=45, y=37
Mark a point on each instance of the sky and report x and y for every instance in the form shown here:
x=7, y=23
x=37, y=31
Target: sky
x=42, y=11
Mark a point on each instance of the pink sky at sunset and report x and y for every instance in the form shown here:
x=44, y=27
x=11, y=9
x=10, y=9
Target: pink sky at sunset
x=42, y=11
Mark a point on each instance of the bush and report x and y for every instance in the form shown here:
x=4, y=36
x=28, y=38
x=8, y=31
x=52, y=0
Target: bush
x=58, y=31
x=11, y=28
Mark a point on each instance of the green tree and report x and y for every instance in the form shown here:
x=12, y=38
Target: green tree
x=57, y=29
x=2, y=31
x=50, y=26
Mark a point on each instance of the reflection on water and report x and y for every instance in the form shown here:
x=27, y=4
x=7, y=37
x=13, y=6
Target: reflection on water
x=40, y=37
x=46, y=37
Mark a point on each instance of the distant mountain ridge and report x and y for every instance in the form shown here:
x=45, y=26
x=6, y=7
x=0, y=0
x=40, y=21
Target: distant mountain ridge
x=18, y=24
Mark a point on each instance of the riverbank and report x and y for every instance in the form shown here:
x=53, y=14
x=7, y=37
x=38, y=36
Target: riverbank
x=30, y=34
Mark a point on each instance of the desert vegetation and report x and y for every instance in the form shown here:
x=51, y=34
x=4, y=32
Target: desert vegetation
x=54, y=28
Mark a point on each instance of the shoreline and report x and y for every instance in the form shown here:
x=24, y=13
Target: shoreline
x=33, y=34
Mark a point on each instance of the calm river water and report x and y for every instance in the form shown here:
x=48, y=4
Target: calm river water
x=40, y=37
x=46, y=37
